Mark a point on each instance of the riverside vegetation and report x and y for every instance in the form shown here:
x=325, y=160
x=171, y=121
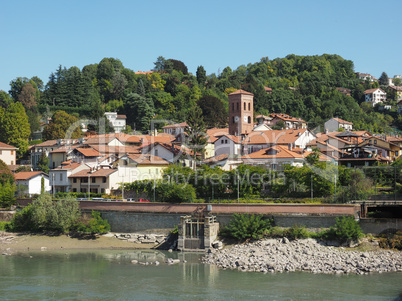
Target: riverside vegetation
x=272, y=251
x=60, y=216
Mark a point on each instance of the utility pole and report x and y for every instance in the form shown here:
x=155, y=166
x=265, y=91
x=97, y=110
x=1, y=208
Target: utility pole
x=154, y=188
x=238, y=188
x=335, y=188
x=311, y=181
x=89, y=187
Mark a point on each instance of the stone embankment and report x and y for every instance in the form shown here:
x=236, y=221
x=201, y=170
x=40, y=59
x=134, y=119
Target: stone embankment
x=282, y=255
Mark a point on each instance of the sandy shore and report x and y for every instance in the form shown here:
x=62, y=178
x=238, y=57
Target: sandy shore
x=12, y=242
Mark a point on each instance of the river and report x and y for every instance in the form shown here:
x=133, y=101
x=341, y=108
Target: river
x=110, y=275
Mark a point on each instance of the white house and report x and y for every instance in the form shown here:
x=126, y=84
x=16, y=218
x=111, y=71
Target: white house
x=333, y=124
x=118, y=121
x=375, y=96
x=175, y=129
x=7, y=153
x=31, y=182
x=59, y=177
x=228, y=144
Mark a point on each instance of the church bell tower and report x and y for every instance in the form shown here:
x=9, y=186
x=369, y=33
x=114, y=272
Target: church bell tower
x=241, y=113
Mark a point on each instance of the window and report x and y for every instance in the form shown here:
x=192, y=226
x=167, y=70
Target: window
x=375, y=141
x=74, y=189
x=74, y=181
x=54, y=164
x=12, y=162
x=156, y=152
x=249, y=106
x=104, y=180
x=249, y=119
x=94, y=190
x=396, y=154
x=233, y=121
x=222, y=141
x=84, y=180
x=244, y=106
x=102, y=190
x=61, y=177
x=226, y=141
x=83, y=190
x=12, y=152
x=93, y=180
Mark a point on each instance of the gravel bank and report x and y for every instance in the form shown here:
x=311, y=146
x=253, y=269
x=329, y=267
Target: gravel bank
x=282, y=255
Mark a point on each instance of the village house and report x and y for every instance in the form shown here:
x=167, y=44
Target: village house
x=175, y=129
x=225, y=161
x=118, y=122
x=293, y=138
x=333, y=124
x=95, y=180
x=137, y=167
x=8, y=154
x=398, y=92
x=59, y=176
x=30, y=182
x=289, y=121
x=365, y=76
x=277, y=157
x=375, y=96
x=228, y=144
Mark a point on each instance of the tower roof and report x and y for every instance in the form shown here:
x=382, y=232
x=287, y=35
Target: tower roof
x=241, y=92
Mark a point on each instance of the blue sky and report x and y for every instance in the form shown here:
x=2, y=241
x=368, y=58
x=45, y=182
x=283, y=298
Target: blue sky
x=38, y=36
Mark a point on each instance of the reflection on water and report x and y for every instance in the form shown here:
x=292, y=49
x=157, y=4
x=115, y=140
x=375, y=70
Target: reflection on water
x=110, y=275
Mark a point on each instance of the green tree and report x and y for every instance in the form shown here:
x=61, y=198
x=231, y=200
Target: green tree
x=197, y=138
x=384, y=79
x=247, y=226
x=140, y=111
x=28, y=96
x=59, y=127
x=213, y=111
x=43, y=163
x=14, y=128
x=201, y=76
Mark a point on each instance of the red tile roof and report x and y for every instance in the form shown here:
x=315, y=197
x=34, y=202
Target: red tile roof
x=342, y=121
x=276, y=151
x=26, y=175
x=241, y=92
x=3, y=145
x=97, y=173
x=274, y=136
x=88, y=152
x=177, y=125
x=145, y=159
x=369, y=91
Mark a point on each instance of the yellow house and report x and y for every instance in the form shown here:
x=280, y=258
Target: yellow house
x=382, y=147
x=135, y=167
x=7, y=153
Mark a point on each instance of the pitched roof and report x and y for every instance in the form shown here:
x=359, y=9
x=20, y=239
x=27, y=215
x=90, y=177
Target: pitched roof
x=369, y=91
x=3, y=145
x=68, y=166
x=214, y=133
x=216, y=159
x=98, y=173
x=106, y=149
x=121, y=117
x=176, y=125
x=235, y=139
x=26, y=175
x=274, y=136
x=342, y=121
x=241, y=92
x=146, y=159
x=88, y=152
x=286, y=117
x=274, y=152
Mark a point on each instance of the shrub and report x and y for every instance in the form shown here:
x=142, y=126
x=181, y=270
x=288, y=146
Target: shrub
x=296, y=232
x=46, y=214
x=346, y=229
x=391, y=240
x=246, y=226
x=95, y=225
x=3, y=226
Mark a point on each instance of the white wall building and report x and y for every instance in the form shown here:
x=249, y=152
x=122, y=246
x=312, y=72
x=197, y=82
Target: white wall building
x=375, y=96
x=118, y=121
x=228, y=144
x=31, y=182
x=8, y=153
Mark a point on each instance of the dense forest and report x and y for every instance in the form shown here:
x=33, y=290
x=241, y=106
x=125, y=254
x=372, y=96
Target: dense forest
x=302, y=86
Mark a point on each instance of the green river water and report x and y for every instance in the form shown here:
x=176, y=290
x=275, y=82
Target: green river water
x=110, y=275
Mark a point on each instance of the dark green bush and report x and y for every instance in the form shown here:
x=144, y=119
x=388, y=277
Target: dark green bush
x=296, y=232
x=246, y=226
x=95, y=225
x=346, y=229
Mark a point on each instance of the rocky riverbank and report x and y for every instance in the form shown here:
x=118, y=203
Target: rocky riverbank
x=282, y=255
